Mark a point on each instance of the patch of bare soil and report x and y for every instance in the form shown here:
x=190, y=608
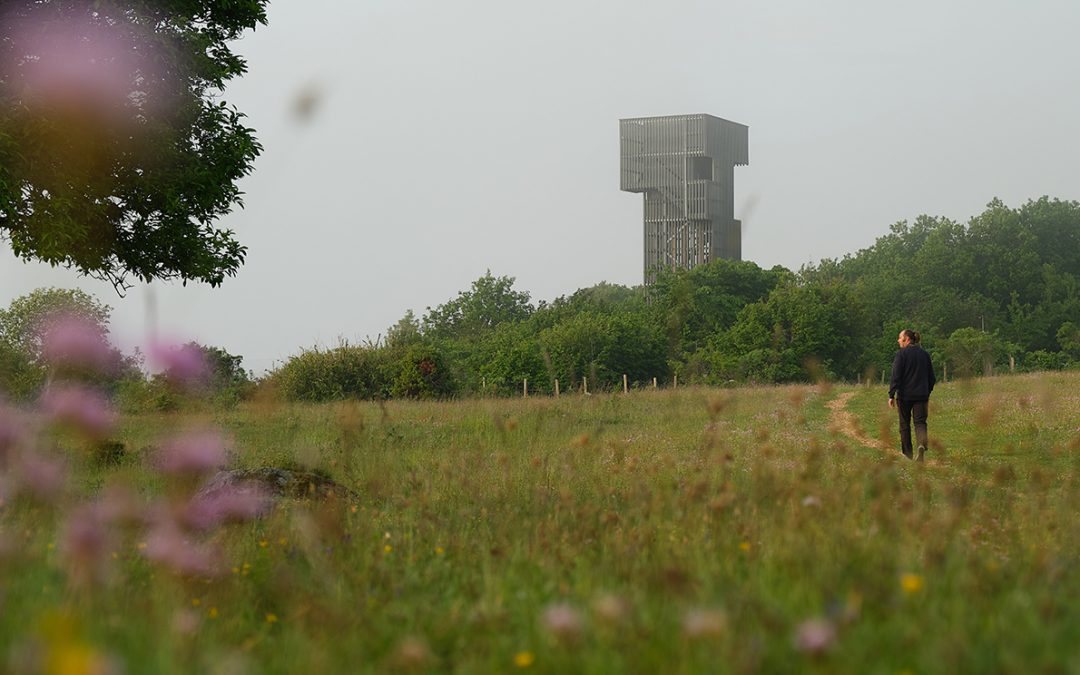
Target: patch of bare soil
x=843, y=421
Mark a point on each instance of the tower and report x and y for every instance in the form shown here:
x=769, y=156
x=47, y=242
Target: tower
x=685, y=167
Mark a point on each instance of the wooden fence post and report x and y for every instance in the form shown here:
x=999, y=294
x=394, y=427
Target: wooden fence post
x=676, y=383
x=654, y=383
x=556, y=388
x=625, y=389
x=525, y=388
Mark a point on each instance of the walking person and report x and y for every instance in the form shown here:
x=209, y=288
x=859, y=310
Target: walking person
x=909, y=389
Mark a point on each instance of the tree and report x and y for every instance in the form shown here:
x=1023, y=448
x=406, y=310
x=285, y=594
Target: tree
x=26, y=320
x=489, y=302
x=116, y=156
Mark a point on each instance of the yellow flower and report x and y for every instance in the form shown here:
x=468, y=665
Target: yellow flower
x=195, y=602
x=744, y=546
x=282, y=541
x=212, y=613
x=271, y=618
x=439, y=550
x=911, y=583
x=388, y=548
x=524, y=659
x=263, y=543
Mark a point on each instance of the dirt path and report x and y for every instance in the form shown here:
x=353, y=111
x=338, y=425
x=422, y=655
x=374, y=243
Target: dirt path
x=842, y=420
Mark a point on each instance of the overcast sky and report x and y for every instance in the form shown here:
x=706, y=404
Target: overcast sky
x=448, y=138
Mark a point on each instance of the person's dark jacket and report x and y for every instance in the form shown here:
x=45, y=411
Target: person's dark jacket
x=912, y=375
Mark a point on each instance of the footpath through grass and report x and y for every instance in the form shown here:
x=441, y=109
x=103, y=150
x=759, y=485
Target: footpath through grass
x=681, y=531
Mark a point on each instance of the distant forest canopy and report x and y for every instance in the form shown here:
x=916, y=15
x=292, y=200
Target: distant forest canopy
x=1000, y=292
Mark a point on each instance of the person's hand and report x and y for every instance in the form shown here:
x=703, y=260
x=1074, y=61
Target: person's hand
x=892, y=403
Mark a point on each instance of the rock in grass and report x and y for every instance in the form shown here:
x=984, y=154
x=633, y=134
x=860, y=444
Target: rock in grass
x=277, y=483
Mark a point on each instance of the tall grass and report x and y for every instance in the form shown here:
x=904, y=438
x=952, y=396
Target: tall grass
x=693, y=530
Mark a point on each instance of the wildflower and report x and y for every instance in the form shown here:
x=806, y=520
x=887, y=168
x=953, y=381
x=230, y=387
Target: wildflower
x=234, y=503
x=86, y=543
x=705, y=623
x=194, y=453
x=814, y=636
x=263, y=543
x=43, y=477
x=185, y=622
x=744, y=546
x=82, y=409
x=271, y=618
x=439, y=550
x=184, y=365
x=911, y=583
x=811, y=500
x=167, y=545
x=524, y=659
x=610, y=608
x=388, y=548
x=212, y=613
x=563, y=621
x=71, y=340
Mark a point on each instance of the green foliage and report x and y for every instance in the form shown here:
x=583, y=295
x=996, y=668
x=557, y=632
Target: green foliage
x=696, y=304
x=20, y=378
x=124, y=171
x=344, y=372
x=422, y=374
x=800, y=332
x=489, y=302
x=24, y=323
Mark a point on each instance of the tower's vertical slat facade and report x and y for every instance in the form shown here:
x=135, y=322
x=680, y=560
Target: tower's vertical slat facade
x=684, y=165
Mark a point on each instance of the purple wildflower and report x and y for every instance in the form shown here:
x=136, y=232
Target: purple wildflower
x=228, y=504
x=166, y=544
x=184, y=365
x=86, y=543
x=43, y=477
x=814, y=636
x=193, y=454
x=71, y=340
x=86, y=410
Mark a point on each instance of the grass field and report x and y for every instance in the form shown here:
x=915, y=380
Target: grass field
x=687, y=531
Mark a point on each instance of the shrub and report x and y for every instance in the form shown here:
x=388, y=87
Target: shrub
x=346, y=371
x=422, y=373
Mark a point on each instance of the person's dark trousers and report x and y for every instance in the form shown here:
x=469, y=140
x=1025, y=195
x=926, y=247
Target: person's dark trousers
x=908, y=410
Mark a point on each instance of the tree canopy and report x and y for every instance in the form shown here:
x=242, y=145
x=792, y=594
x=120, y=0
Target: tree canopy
x=116, y=155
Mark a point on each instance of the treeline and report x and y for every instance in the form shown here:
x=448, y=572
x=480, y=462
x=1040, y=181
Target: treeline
x=1000, y=292
x=997, y=293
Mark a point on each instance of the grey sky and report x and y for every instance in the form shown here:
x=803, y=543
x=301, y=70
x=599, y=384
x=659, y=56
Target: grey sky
x=448, y=138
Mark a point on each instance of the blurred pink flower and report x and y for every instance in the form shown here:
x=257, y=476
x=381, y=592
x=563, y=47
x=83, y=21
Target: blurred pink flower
x=182, y=364
x=87, y=543
x=228, y=504
x=167, y=545
x=118, y=505
x=43, y=477
x=71, y=340
x=194, y=453
x=814, y=635
x=563, y=621
x=12, y=431
x=80, y=62
x=86, y=410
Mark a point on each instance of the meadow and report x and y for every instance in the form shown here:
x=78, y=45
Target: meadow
x=696, y=530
